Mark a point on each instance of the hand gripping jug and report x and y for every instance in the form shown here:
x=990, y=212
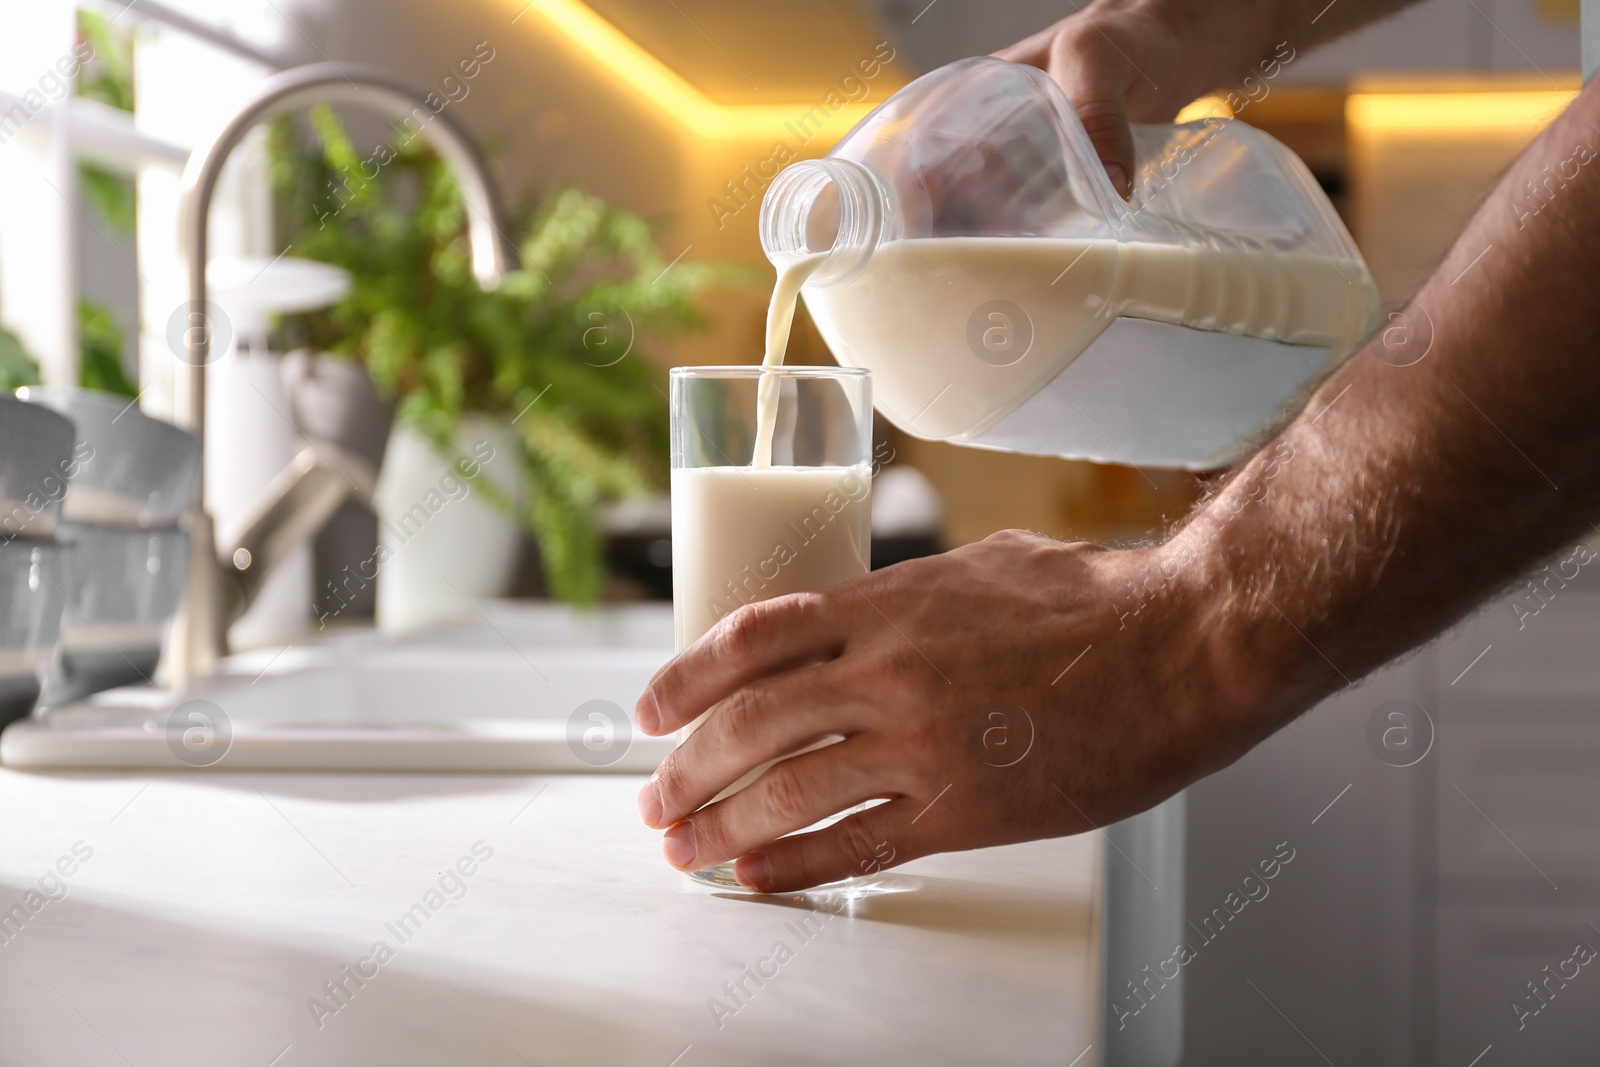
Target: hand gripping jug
x=966, y=245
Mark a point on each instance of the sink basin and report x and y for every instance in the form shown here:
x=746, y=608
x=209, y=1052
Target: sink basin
x=525, y=689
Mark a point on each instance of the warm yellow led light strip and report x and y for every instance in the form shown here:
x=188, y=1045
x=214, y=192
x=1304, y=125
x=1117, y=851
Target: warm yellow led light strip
x=666, y=88
x=1422, y=111
x=1210, y=106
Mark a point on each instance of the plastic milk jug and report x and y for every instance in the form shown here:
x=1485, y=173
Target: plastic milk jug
x=965, y=244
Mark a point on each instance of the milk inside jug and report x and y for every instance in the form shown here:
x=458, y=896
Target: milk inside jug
x=965, y=244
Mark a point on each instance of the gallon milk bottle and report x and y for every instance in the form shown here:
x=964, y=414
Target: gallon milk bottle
x=964, y=243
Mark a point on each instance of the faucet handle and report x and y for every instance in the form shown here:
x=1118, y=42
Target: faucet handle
x=296, y=504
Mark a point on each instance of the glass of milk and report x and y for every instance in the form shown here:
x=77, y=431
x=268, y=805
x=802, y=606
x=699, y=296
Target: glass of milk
x=771, y=494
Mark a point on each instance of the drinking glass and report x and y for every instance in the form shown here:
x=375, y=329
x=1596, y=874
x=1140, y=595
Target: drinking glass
x=771, y=494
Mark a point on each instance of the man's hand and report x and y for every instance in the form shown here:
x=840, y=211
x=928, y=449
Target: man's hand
x=1000, y=692
x=1122, y=61
x=1100, y=57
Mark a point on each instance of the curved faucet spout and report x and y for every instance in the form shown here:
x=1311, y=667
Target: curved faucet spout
x=199, y=635
x=321, y=83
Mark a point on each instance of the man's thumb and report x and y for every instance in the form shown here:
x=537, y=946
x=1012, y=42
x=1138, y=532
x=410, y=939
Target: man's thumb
x=1087, y=76
x=1108, y=131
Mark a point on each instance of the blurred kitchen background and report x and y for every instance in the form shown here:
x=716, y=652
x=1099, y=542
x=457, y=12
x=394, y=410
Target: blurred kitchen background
x=616, y=113
x=674, y=112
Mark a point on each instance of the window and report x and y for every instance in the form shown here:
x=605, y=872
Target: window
x=192, y=64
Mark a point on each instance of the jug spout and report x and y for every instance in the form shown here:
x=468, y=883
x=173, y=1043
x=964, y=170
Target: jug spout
x=836, y=208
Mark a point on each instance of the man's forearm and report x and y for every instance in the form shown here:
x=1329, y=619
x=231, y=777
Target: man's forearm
x=1408, y=491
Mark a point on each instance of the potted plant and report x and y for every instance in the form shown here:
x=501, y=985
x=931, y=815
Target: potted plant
x=547, y=365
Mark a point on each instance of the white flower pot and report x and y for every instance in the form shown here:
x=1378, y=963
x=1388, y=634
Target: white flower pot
x=441, y=541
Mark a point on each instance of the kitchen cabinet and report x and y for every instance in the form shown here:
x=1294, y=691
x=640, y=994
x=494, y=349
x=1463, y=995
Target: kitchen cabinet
x=1423, y=898
x=1325, y=964
x=1486, y=954
x=1517, y=830
x=1519, y=795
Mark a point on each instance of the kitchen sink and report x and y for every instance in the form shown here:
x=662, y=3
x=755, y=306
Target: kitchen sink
x=520, y=689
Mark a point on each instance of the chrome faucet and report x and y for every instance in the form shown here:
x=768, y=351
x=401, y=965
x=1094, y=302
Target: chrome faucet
x=301, y=499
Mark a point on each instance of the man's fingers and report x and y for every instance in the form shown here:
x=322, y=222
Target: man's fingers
x=757, y=640
x=862, y=844
x=791, y=795
x=1094, y=77
x=766, y=720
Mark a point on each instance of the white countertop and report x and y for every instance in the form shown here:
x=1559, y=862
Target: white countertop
x=215, y=906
